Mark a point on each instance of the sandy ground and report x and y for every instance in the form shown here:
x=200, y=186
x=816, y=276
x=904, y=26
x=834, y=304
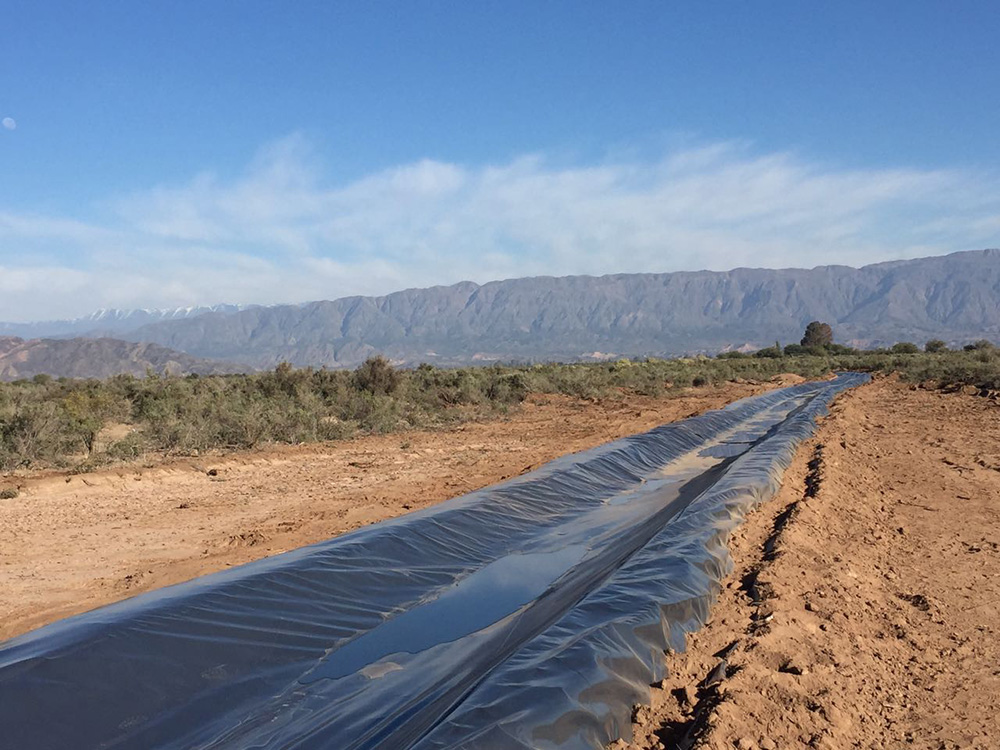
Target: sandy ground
x=862, y=612
x=72, y=543
x=864, y=608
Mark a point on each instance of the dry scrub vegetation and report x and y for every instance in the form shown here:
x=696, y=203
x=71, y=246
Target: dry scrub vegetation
x=84, y=424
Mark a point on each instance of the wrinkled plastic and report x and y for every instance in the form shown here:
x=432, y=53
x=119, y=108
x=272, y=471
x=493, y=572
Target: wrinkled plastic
x=531, y=614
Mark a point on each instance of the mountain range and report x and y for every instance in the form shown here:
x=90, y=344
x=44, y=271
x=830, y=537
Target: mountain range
x=98, y=358
x=107, y=322
x=953, y=297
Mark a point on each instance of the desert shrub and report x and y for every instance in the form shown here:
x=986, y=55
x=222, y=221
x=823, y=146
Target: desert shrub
x=87, y=410
x=935, y=346
x=376, y=375
x=904, y=347
x=504, y=388
x=373, y=412
x=32, y=433
x=980, y=345
x=799, y=350
x=284, y=380
x=839, y=349
x=46, y=422
x=126, y=449
x=9, y=493
x=770, y=352
x=455, y=388
x=332, y=428
x=590, y=381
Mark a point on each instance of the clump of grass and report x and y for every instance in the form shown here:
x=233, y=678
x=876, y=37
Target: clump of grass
x=9, y=493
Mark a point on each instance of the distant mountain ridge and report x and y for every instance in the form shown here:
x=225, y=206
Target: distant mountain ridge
x=954, y=297
x=97, y=358
x=108, y=322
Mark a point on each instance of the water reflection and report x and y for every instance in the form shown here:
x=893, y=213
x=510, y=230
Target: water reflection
x=476, y=602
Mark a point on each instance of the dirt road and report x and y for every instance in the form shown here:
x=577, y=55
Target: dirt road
x=866, y=596
x=71, y=543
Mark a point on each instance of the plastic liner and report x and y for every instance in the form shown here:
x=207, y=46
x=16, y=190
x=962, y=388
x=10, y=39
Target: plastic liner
x=531, y=614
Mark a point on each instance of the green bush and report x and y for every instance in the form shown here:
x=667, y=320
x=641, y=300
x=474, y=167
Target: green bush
x=770, y=352
x=980, y=345
x=377, y=376
x=126, y=449
x=839, y=349
x=800, y=350
x=46, y=422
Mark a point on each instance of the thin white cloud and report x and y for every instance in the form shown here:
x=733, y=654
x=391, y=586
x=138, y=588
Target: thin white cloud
x=283, y=232
x=27, y=227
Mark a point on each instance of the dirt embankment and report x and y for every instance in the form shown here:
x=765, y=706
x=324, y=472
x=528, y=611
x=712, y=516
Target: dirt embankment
x=863, y=611
x=69, y=544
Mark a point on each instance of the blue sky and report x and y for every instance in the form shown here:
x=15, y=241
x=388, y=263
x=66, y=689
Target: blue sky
x=178, y=153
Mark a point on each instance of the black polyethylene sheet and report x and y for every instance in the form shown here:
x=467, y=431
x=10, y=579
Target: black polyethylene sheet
x=530, y=614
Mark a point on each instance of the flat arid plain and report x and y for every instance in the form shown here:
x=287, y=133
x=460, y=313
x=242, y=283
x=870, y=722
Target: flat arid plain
x=861, y=612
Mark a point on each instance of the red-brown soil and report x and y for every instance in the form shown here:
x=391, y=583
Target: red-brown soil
x=72, y=543
x=864, y=601
x=877, y=615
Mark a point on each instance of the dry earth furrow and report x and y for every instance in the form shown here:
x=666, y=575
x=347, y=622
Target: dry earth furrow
x=873, y=622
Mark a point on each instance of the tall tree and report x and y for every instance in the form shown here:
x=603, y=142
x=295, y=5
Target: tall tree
x=817, y=334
